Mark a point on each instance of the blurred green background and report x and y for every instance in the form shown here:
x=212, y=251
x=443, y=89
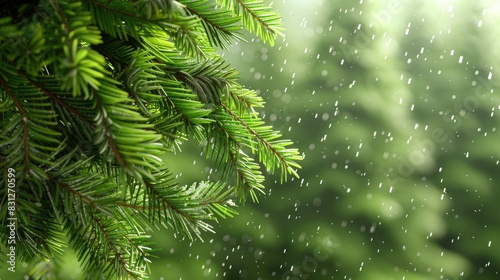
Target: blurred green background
x=395, y=106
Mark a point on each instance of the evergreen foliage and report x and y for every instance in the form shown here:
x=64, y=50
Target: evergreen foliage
x=96, y=94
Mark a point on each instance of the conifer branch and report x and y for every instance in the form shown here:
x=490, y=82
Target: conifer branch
x=24, y=119
x=96, y=94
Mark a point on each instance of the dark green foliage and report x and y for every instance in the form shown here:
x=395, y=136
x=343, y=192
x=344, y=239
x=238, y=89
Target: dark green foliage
x=94, y=97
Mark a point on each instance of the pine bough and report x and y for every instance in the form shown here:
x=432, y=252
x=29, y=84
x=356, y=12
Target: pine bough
x=95, y=94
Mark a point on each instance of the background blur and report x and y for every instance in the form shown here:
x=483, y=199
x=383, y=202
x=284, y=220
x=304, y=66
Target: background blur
x=395, y=105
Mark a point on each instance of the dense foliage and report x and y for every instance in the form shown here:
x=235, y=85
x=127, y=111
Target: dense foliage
x=96, y=96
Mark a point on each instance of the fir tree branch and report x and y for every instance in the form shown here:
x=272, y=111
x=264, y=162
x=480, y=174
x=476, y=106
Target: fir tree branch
x=286, y=163
x=121, y=21
x=226, y=150
x=24, y=118
x=62, y=103
x=256, y=17
x=95, y=92
x=220, y=25
x=243, y=99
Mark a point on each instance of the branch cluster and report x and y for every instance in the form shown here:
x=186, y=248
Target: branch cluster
x=95, y=94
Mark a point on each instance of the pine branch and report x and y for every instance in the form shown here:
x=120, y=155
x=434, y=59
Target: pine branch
x=124, y=134
x=121, y=20
x=273, y=153
x=15, y=123
x=244, y=100
x=31, y=132
x=226, y=150
x=83, y=66
x=75, y=122
x=220, y=25
x=256, y=17
x=109, y=248
x=182, y=208
x=39, y=234
x=209, y=79
x=93, y=94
